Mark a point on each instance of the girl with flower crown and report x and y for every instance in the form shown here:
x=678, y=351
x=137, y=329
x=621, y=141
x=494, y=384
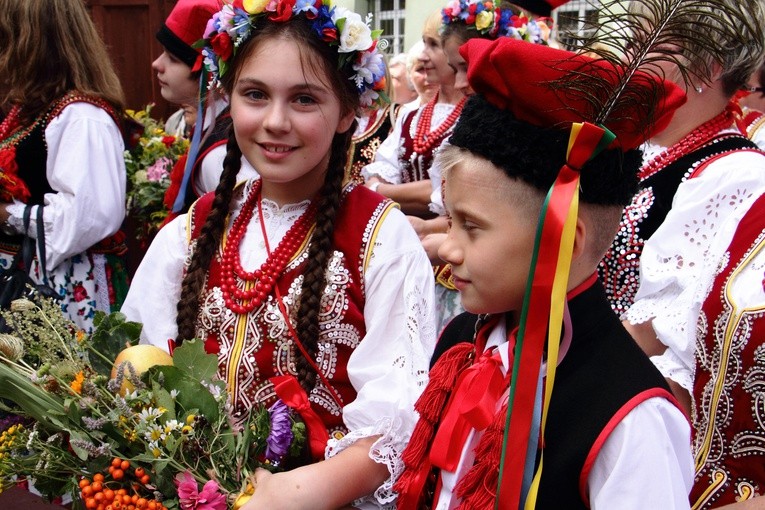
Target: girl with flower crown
x=61, y=152
x=306, y=290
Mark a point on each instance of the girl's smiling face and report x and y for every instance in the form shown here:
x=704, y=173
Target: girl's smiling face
x=285, y=115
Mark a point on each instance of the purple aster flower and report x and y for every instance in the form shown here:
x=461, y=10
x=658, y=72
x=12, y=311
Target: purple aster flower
x=279, y=440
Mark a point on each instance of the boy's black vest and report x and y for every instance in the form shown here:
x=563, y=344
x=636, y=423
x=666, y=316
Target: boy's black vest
x=602, y=371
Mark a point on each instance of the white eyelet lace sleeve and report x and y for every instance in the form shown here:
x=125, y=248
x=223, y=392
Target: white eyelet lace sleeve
x=389, y=367
x=694, y=236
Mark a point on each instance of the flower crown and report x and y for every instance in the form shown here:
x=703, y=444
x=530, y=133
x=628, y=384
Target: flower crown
x=495, y=21
x=356, y=43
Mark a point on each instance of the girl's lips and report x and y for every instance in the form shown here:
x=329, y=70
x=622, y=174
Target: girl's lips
x=276, y=151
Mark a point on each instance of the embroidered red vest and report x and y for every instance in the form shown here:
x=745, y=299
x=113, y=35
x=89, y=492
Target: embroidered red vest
x=729, y=417
x=254, y=347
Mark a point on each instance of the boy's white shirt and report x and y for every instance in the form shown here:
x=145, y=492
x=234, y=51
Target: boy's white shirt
x=646, y=461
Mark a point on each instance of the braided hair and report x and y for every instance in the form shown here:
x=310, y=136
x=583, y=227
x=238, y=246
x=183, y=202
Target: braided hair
x=324, y=61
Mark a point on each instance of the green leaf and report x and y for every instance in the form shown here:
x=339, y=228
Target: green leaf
x=191, y=358
x=191, y=393
x=112, y=334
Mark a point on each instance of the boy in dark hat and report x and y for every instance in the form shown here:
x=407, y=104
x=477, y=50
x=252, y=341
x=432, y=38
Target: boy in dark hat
x=598, y=428
x=178, y=70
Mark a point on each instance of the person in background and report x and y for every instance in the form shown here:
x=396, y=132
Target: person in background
x=298, y=283
x=679, y=225
x=402, y=88
x=61, y=149
x=178, y=70
x=693, y=312
x=180, y=123
x=415, y=70
x=752, y=101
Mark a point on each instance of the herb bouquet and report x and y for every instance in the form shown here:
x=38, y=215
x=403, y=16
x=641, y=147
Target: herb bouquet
x=114, y=439
x=148, y=166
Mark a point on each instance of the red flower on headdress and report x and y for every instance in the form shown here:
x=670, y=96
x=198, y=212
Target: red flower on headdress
x=222, y=45
x=238, y=4
x=168, y=140
x=329, y=34
x=283, y=11
x=380, y=84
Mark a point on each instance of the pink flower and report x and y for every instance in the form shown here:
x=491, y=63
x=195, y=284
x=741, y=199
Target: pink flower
x=191, y=499
x=158, y=171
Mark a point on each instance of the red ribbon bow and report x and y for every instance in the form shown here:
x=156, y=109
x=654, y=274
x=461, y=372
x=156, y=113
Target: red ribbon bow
x=473, y=405
x=289, y=390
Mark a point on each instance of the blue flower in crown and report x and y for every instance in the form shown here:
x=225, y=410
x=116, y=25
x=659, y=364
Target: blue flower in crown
x=337, y=26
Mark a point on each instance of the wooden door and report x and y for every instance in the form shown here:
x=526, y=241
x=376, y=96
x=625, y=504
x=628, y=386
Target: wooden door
x=128, y=28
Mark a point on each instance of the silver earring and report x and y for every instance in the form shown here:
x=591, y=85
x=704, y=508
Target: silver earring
x=699, y=89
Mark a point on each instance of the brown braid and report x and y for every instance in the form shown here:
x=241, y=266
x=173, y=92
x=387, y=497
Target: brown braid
x=314, y=276
x=208, y=242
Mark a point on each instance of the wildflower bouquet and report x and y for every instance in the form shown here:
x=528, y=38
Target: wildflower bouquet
x=148, y=167
x=104, y=433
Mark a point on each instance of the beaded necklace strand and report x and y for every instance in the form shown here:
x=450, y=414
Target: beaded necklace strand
x=700, y=136
x=424, y=139
x=243, y=299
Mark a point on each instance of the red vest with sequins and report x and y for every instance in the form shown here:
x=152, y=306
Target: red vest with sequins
x=254, y=347
x=729, y=382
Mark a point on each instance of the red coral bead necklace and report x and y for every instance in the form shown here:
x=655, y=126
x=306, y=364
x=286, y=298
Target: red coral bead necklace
x=700, y=136
x=424, y=138
x=257, y=285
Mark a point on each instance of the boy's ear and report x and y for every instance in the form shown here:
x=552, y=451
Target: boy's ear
x=580, y=239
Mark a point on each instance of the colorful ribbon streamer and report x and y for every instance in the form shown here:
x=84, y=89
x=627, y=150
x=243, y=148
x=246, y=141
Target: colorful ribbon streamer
x=542, y=317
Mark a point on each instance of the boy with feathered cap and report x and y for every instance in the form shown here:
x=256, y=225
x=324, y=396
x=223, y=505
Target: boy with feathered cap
x=500, y=423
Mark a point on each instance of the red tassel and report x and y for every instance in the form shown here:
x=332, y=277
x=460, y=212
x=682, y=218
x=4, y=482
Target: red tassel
x=478, y=487
x=430, y=406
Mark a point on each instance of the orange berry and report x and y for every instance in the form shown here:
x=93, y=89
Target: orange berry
x=125, y=465
x=99, y=497
x=84, y=482
x=134, y=498
x=111, y=469
x=108, y=494
x=126, y=499
x=152, y=505
x=116, y=462
x=91, y=504
x=97, y=486
x=87, y=491
x=141, y=503
x=139, y=472
x=145, y=479
x=118, y=474
x=98, y=477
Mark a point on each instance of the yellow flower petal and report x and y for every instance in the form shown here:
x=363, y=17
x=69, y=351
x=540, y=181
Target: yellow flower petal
x=254, y=6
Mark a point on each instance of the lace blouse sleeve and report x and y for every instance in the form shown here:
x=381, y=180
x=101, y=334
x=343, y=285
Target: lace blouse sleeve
x=389, y=367
x=694, y=236
x=156, y=287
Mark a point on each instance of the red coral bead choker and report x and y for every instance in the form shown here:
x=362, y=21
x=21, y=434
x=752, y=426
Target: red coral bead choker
x=424, y=139
x=700, y=136
x=244, y=291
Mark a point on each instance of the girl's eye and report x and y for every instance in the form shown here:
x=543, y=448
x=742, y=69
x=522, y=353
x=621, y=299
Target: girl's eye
x=306, y=100
x=253, y=95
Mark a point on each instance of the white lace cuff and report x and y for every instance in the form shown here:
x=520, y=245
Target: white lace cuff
x=386, y=450
x=672, y=367
x=383, y=170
